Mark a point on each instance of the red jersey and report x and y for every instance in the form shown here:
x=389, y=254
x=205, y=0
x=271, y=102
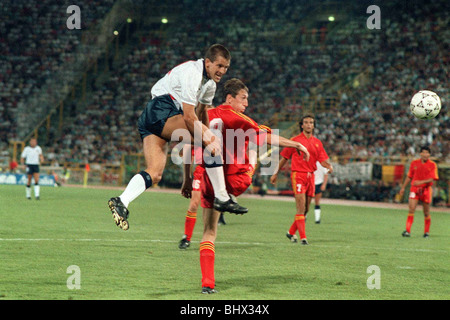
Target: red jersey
x=423, y=171
x=237, y=131
x=315, y=149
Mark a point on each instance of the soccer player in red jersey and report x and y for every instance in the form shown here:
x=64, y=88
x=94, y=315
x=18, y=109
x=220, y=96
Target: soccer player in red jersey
x=421, y=175
x=302, y=176
x=228, y=119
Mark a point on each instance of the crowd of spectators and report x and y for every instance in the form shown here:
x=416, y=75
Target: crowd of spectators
x=271, y=54
x=408, y=54
x=36, y=45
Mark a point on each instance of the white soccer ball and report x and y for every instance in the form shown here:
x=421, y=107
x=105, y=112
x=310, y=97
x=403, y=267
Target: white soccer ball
x=425, y=105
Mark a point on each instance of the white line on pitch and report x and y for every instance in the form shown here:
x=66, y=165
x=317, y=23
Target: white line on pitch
x=223, y=242
x=124, y=240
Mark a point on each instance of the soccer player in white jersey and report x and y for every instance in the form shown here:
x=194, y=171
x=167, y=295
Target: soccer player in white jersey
x=31, y=157
x=179, y=101
x=320, y=181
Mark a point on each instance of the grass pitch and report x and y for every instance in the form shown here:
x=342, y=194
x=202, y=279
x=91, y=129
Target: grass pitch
x=41, y=240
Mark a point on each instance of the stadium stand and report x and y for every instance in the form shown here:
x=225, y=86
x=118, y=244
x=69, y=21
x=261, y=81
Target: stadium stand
x=356, y=81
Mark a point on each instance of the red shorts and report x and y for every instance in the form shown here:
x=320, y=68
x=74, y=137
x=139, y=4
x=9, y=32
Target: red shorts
x=236, y=185
x=423, y=194
x=197, y=178
x=303, y=182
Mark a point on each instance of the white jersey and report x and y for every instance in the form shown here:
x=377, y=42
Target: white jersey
x=319, y=174
x=186, y=83
x=31, y=155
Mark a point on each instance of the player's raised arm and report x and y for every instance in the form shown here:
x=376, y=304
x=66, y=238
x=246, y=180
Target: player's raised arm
x=283, y=142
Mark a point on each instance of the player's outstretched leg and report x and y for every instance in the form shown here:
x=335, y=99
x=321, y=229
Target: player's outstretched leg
x=155, y=154
x=120, y=212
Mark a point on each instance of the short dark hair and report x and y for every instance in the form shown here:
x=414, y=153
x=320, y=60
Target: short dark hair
x=300, y=123
x=233, y=86
x=427, y=148
x=217, y=50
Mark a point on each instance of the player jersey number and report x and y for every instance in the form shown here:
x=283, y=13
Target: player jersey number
x=299, y=187
x=216, y=124
x=196, y=184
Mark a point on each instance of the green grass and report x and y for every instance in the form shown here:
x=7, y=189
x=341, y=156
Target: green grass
x=39, y=240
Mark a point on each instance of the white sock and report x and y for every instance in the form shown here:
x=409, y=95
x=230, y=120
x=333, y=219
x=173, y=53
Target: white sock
x=135, y=187
x=317, y=214
x=28, y=192
x=36, y=190
x=217, y=178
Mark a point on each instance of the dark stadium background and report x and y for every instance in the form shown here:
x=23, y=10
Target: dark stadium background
x=80, y=91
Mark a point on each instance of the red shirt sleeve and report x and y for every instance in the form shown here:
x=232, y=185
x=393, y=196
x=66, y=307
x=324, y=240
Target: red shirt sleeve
x=237, y=120
x=262, y=134
x=434, y=173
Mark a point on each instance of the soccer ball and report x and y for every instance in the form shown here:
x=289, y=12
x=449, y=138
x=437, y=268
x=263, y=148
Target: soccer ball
x=425, y=105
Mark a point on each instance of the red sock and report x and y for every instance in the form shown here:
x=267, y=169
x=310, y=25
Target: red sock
x=189, y=224
x=300, y=221
x=427, y=224
x=409, y=222
x=207, y=255
x=293, y=228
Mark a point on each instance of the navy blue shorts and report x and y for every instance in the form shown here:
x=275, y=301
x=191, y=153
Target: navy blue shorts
x=155, y=115
x=318, y=186
x=32, y=168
